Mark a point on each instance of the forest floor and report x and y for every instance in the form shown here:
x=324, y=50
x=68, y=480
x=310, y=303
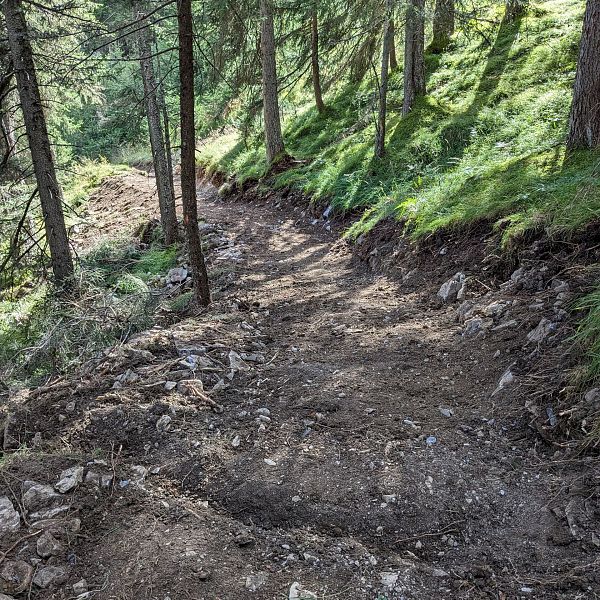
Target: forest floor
x=322, y=431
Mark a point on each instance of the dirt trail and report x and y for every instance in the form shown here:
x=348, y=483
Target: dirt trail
x=366, y=457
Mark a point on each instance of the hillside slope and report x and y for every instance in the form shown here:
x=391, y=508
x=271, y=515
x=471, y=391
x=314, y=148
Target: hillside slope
x=485, y=143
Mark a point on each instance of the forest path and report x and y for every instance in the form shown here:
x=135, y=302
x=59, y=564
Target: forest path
x=360, y=453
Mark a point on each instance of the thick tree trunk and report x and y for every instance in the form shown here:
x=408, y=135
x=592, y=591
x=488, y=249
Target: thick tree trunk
x=273, y=136
x=166, y=198
x=188, y=154
x=393, y=57
x=50, y=192
x=314, y=55
x=383, y=83
x=515, y=9
x=584, y=122
x=443, y=25
x=414, y=54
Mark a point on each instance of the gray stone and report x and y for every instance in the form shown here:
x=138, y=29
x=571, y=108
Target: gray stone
x=164, y=423
x=80, y=587
x=49, y=513
x=507, y=379
x=47, y=545
x=297, y=593
x=69, y=479
x=476, y=325
x=544, y=328
x=177, y=275
x=254, y=582
x=453, y=289
x=495, y=309
x=50, y=576
x=15, y=576
x=39, y=496
x=10, y=520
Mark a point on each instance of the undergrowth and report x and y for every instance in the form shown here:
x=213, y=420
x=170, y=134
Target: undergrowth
x=43, y=334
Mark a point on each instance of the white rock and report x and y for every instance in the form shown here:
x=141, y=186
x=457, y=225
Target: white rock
x=389, y=579
x=69, y=479
x=10, y=520
x=236, y=442
x=270, y=462
x=297, y=593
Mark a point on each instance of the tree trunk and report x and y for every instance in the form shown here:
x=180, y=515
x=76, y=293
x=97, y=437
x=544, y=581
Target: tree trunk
x=393, y=57
x=443, y=25
x=383, y=84
x=273, y=136
x=314, y=55
x=414, y=54
x=49, y=189
x=188, y=154
x=584, y=121
x=166, y=198
x=166, y=123
x=515, y=9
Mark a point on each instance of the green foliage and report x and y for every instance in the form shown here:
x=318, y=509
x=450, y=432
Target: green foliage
x=42, y=333
x=485, y=143
x=588, y=333
x=85, y=176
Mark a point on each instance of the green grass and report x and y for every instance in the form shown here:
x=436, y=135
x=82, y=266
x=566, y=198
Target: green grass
x=86, y=176
x=41, y=333
x=486, y=143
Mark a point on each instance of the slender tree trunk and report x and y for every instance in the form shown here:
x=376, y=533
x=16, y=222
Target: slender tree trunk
x=273, y=136
x=166, y=123
x=188, y=154
x=414, y=54
x=314, y=55
x=383, y=84
x=443, y=25
x=49, y=189
x=393, y=57
x=166, y=198
x=515, y=9
x=584, y=121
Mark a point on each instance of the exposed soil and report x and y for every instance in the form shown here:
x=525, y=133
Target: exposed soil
x=383, y=462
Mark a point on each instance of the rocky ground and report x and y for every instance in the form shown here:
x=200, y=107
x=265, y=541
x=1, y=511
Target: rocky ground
x=397, y=425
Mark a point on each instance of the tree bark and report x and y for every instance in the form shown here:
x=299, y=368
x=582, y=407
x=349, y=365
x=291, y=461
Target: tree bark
x=166, y=123
x=314, y=55
x=49, y=189
x=188, y=154
x=414, y=54
x=584, y=121
x=273, y=136
x=515, y=9
x=443, y=25
x=393, y=57
x=166, y=198
x=383, y=83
